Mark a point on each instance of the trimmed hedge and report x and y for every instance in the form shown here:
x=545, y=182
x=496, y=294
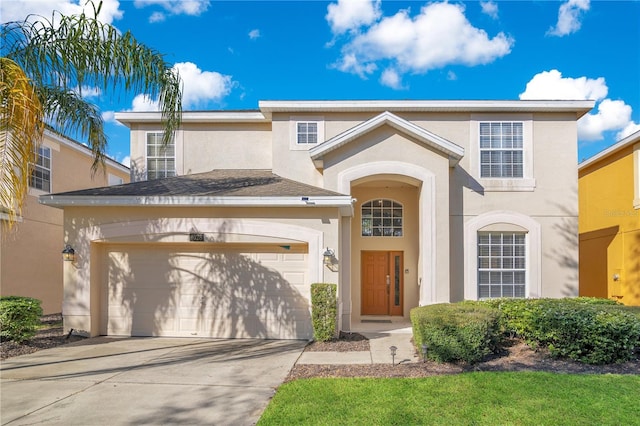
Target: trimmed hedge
x=19, y=318
x=588, y=330
x=456, y=332
x=324, y=311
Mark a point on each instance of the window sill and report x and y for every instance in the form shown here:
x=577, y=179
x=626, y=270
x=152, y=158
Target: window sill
x=34, y=192
x=508, y=185
x=302, y=147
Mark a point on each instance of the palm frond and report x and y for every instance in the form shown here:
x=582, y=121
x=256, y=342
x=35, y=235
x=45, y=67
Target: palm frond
x=71, y=51
x=21, y=130
x=70, y=114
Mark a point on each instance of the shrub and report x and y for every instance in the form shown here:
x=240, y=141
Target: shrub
x=588, y=330
x=19, y=318
x=324, y=311
x=456, y=332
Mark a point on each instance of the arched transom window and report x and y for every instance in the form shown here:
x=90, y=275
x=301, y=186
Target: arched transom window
x=381, y=218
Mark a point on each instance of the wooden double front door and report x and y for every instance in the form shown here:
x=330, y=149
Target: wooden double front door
x=382, y=283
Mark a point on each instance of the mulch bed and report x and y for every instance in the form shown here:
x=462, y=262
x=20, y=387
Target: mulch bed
x=516, y=356
x=50, y=336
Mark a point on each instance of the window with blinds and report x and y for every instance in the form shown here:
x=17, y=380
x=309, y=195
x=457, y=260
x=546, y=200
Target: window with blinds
x=501, y=264
x=501, y=150
x=161, y=160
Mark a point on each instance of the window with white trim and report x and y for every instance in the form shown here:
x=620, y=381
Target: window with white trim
x=306, y=132
x=501, y=264
x=381, y=218
x=41, y=170
x=161, y=160
x=501, y=150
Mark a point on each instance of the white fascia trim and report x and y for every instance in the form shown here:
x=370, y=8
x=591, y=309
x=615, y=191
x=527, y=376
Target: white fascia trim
x=84, y=149
x=83, y=201
x=629, y=140
x=580, y=107
x=449, y=148
x=194, y=117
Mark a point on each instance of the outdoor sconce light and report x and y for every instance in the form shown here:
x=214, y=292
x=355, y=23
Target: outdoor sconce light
x=393, y=350
x=424, y=352
x=329, y=260
x=68, y=254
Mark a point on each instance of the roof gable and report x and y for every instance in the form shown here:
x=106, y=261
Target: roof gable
x=452, y=151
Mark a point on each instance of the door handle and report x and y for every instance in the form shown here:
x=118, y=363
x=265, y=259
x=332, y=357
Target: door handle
x=388, y=284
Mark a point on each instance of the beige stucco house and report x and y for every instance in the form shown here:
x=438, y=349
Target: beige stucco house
x=30, y=252
x=414, y=202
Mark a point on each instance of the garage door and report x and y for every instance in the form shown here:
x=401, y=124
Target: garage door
x=244, y=292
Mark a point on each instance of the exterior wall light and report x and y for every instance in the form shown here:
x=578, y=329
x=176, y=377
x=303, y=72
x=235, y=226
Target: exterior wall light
x=330, y=260
x=68, y=254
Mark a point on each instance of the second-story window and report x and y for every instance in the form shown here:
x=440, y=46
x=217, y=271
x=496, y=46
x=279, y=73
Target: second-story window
x=501, y=150
x=41, y=172
x=161, y=160
x=307, y=132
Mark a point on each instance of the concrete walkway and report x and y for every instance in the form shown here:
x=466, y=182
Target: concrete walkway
x=382, y=334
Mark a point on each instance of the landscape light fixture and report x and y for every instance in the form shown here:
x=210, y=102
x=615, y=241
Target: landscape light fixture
x=393, y=350
x=424, y=352
x=68, y=253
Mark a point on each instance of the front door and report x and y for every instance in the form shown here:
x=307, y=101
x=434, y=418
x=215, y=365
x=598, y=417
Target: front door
x=382, y=284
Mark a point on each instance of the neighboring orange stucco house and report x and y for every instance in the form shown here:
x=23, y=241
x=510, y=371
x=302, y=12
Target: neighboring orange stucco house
x=30, y=253
x=609, y=224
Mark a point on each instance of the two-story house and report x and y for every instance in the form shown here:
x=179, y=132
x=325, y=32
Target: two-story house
x=30, y=253
x=401, y=203
x=609, y=193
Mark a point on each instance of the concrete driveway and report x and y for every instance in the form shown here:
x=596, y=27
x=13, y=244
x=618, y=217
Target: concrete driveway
x=134, y=381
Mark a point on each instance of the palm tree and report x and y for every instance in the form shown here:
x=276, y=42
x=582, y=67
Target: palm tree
x=43, y=68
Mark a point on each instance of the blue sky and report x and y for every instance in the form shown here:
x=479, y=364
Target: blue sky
x=231, y=54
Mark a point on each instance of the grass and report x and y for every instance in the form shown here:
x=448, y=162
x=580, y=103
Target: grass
x=483, y=398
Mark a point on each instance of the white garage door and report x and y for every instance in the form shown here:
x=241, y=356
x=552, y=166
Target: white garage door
x=201, y=291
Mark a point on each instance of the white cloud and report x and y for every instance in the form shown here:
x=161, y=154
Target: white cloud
x=254, y=34
x=177, y=7
x=352, y=14
x=126, y=161
x=109, y=116
x=551, y=85
x=12, y=10
x=451, y=76
x=89, y=92
x=569, y=16
x=610, y=115
x=350, y=63
x=489, y=8
x=391, y=79
x=157, y=17
x=200, y=87
x=630, y=129
x=438, y=36
x=144, y=103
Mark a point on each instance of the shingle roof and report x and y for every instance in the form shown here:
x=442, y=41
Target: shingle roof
x=216, y=183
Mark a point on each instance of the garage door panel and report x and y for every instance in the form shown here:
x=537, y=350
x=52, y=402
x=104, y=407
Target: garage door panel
x=170, y=291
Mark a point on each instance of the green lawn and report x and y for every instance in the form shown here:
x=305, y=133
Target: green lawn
x=522, y=398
